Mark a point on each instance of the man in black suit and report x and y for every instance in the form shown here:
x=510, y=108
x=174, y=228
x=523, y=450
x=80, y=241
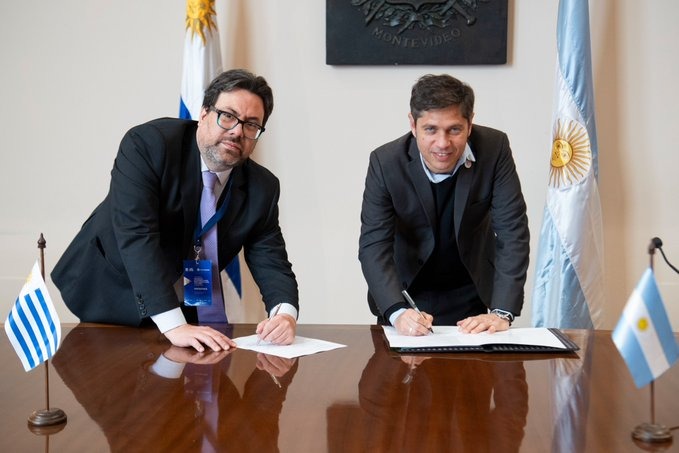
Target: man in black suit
x=444, y=218
x=125, y=265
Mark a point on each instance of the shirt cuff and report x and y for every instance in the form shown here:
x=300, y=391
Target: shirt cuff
x=287, y=309
x=166, y=368
x=394, y=316
x=170, y=319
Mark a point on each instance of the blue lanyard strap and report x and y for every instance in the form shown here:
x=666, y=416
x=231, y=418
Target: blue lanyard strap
x=214, y=219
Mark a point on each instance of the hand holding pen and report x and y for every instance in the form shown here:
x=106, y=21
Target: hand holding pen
x=411, y=302
x=279, y=328
x=260, y=330
x=276, y=366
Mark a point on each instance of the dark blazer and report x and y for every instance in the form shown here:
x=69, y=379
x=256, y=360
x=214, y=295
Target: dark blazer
x=122, y=265
x=398, y=218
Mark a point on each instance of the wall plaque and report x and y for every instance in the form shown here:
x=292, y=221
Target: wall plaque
x=416, y=32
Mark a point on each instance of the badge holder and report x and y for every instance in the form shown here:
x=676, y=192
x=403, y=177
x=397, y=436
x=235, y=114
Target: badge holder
x=197, y=280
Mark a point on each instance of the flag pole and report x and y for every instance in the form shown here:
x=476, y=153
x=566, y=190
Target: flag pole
x=42, y=243
x=652, y=432
x=47, y=416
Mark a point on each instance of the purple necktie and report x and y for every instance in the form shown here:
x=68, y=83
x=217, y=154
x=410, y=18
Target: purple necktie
x=208, y=203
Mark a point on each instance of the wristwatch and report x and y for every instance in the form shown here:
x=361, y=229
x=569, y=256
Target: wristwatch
x=506, y=315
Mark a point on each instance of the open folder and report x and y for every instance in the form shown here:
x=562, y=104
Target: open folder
x=450, y=339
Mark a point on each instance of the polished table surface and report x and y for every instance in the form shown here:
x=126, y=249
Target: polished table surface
x=359, y=398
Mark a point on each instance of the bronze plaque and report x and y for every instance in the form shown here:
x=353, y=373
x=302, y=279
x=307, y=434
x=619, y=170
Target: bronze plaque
x=416, y=32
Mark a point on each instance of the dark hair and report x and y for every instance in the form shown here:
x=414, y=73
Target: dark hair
x=235, y=79
x=434, y=92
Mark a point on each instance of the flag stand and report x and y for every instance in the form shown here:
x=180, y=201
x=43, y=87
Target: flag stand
x=652, y=432
x=49, y=416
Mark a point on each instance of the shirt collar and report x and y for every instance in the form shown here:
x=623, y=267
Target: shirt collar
x=223, y=176
x=466, y=158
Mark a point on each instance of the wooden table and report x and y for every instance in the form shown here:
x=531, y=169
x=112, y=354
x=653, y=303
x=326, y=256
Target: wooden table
x=359, y=398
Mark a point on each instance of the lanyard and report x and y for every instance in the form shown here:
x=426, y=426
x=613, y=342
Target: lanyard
x=217, y=216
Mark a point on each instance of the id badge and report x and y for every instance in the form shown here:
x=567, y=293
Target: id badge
x=197, y=283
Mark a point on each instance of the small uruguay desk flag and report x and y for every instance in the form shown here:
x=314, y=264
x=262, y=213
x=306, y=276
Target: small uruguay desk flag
x=32, y=325
x=644, y=335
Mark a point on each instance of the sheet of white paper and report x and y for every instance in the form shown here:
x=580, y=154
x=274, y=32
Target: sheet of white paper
x=301, y=346
x=451, y=336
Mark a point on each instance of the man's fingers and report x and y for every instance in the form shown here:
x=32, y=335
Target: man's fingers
x=277, y=330
x=214, y=340
x=198, y=337
x=411, y=323
x=483, y=323
x=420, y=325
x=196, y=345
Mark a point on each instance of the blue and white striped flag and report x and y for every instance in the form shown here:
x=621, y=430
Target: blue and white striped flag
x=568, y=290
x=202, y=63
x=33, y=325
x=644, y=335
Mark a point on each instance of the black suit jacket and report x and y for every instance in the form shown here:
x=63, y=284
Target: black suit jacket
x=398, y=221
x=122, y=265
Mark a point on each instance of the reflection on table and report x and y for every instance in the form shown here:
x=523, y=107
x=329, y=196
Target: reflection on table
x=127, y=390
x=435, y=404
x=197, y=409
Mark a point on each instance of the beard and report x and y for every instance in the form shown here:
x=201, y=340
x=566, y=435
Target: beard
x=220, y=159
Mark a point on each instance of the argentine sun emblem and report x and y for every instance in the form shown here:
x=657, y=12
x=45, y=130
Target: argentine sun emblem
x=571, y=154
x=642, y=324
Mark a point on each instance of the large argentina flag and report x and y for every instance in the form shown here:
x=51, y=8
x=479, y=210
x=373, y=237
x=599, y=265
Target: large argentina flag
x=568, y=289
x=202, y=63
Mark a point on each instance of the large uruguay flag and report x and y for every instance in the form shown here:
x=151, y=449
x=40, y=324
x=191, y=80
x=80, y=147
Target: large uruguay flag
x=202, y=63
x=568, y=290
x=33, y=326
x=202, y=56
x=644, y=335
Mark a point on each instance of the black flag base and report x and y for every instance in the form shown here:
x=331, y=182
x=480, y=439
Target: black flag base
x=652, y=432
x=47, y=417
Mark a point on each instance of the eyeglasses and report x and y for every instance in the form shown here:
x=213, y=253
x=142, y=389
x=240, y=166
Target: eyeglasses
x=228, y=121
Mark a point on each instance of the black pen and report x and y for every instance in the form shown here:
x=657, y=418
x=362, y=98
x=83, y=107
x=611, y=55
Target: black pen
x=411, y=302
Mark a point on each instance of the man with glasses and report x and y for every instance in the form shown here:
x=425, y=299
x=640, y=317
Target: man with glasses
x=131, y=259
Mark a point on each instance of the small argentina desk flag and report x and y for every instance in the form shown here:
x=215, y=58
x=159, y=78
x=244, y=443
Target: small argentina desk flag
x=33, y=325
x=644, y=335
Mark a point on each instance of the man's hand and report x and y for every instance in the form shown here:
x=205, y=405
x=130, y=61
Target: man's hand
x=188, y=335
x=274, y=365
x=483, y=323
x=277, y=330
x=411, y=323
x=186, y=355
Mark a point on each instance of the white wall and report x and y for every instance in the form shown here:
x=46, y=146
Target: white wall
x=76, y=75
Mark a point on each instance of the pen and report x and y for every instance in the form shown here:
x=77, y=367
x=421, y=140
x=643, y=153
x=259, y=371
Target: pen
x=275, y=380
x=275, y=312
x=411, y=302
